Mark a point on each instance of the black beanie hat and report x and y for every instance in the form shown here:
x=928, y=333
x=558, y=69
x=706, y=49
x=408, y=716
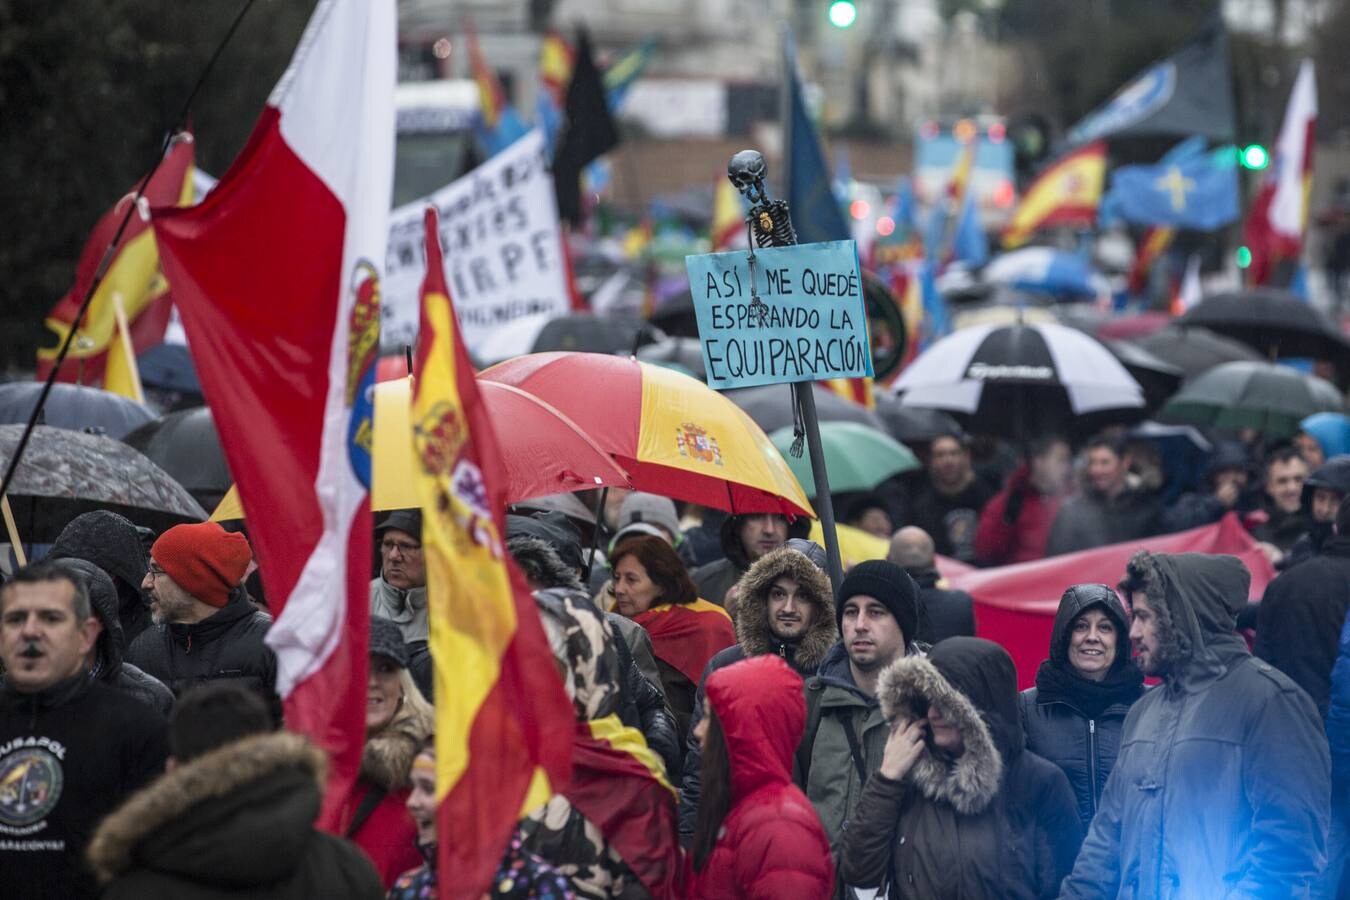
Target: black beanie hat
x=890, y=585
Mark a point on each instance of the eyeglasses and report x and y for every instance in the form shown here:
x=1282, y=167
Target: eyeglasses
x=155, y=571
x=404, y=547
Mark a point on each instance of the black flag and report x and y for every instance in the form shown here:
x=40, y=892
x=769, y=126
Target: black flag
x=588, y=130
x=1190, y=92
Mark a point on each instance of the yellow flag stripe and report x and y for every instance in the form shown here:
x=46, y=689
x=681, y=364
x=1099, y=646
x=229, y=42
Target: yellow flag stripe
x=469, y=597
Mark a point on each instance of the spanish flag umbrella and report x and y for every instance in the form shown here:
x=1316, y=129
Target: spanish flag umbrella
x=672, y=434
x=545, y=453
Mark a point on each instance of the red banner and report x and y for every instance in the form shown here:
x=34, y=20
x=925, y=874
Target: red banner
x=1015, y=605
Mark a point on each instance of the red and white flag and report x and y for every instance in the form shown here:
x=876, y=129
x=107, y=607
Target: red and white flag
x=1280, y=211
x=276, y=274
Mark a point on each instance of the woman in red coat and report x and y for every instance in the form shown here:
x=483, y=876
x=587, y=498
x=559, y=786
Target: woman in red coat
x=756, y=835
x=398, y=721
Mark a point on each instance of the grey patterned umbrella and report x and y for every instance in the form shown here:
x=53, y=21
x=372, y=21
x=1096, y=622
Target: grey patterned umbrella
x=65, y=473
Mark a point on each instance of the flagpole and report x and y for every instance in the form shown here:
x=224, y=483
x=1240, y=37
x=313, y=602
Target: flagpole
x=170, y=136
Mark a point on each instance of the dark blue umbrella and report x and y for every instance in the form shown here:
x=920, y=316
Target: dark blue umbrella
x=73, y=407
x=169, y=367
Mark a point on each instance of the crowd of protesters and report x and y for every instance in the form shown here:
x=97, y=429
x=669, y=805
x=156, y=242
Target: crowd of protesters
x=819, y=740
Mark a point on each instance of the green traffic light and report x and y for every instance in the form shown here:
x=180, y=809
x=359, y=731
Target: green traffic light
x=1254, y=156
x=1244, y=257
x=843, y=13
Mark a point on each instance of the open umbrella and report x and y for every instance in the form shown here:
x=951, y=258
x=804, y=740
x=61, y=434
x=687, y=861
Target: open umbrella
x=1276, y=323
x=1195, y=350
x=1158, y=378
x=543, y=450
x=770, y=406
x=186, y=445
x=169, y=367
x=73, y=407
x=679, y=353
x=65, y=473
x=673, y=434
x=857, y=458
x=589, y=333
x=912, y=424
x=1020, y=381
x=1042, y=269
x=1264, y=396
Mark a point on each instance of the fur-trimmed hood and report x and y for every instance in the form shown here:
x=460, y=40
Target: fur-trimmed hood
x=912, y=684
x=387, y=758
x=238, y=816
x=752, y=609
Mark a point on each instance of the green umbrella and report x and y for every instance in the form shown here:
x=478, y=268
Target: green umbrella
x=1270, y=398
x=857, y=457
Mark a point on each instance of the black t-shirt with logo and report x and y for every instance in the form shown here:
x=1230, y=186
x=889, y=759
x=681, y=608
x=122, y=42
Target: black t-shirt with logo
x=68, y=757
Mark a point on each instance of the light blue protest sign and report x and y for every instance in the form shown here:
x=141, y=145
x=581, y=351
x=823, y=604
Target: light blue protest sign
x=792, y=314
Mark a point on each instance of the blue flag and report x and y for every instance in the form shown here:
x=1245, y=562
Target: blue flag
x=815, y=212
x=971, y=244
x=1188, y=188
x=510, y=127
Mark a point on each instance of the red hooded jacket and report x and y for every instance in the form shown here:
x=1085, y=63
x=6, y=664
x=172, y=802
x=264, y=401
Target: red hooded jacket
x=771, y=844
x=999, y=542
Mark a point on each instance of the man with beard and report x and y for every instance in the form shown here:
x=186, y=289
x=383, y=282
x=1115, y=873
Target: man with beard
x=745, y=539
x=1223, y=778
x=71, y=747
x=205, y=626
x=877, y=612
x=785, y=609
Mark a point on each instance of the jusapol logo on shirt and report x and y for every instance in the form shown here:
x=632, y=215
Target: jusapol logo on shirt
x=30, y=780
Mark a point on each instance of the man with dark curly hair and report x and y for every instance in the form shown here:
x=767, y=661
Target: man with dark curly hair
x=1223, y=778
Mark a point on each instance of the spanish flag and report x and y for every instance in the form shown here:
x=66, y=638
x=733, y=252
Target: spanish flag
x=133, y=273
x=1152, y=245
x=855, y=390
x=1067, y=193
x=499, y=703
x=620, y=786
x=686, y=635
x=556, y=57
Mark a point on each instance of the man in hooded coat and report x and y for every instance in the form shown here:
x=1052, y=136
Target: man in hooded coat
x=1222, y=785
x=758, y=634
x=107, y=664
x=112, y=543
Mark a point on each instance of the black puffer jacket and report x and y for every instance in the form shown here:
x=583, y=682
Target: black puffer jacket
x=1071, y=721
x=643, y=706
x=226, y=644
x=110, y=668
x=238, y=821
x=996, y=822
x=112, y=543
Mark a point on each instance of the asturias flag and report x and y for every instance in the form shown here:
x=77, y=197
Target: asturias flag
x=276, y=275
x=1065, y=194
x=500, y=707
x=1188, y=188
x=133, y=273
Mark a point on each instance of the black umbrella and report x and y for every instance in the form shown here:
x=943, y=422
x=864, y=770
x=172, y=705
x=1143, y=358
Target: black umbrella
x=66, y=473
x=73, y=407
x=1159, y=379
x=1195, y=350
x=1021, y=381
x=912, y=425
x=1276, y=323
x=771, y=407
x=681, y=352
x=593, y=334
x=1272, y=399
x=676, y=316
x=186, y=445
x=169, y=367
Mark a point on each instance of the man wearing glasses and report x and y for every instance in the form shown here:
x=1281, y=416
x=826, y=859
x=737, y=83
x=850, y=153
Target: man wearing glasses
x=399, y=592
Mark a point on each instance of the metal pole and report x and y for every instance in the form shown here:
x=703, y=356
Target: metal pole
x=824, y=504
